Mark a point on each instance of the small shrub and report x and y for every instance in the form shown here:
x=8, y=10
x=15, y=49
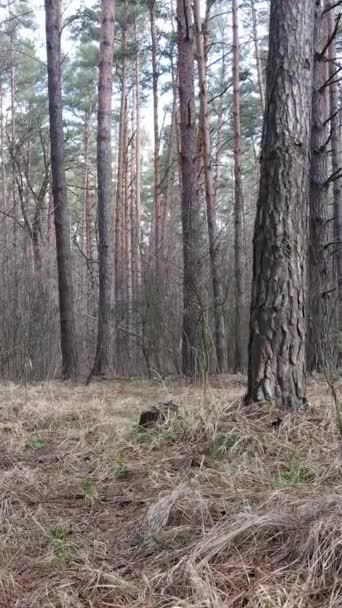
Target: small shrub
x=220, y=445
x=121, y=471
x=60, y=546
x=295, y=473
x=88, y=489
x=34, y=443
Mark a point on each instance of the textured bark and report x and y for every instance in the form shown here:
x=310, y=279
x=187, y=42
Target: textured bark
x=336, y=166
x=318, y=321
x=60, y=212
x=276, y=365
x=213, y=236
x=257, y=56
x=238, y=194
x=187, y=164
x=104, y=358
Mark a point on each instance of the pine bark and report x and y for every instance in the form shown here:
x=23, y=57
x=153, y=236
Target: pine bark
x=104, y=358
x=213, y=236
x=60, y=212
x=238, y=195
x=187, y=164
x=276, y=362
x=317, y=343
x=336, y=167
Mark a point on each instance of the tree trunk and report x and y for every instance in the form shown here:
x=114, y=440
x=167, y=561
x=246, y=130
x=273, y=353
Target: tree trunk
x=167, y=187
x=137, y=206
x=3, y=183
x=104, y=359
x=187, y=162
x=257, y=56
x=238, y=198
x=50, y=212
x=213, y=237
x=61, y=219
x=276, y=357
x=14, y=210
x=219, y=126
x=119, y=211
x=318, y=322
x=156, y=211
x=336, y=167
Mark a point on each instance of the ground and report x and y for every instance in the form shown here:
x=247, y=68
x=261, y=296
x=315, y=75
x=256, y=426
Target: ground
x=220, y=506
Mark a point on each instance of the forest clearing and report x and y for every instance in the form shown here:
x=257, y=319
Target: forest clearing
x=221, y=505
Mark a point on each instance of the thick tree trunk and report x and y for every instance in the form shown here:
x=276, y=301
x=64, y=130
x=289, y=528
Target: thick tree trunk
x=104, y=358
x=238, y=195
x=187, y=163
x=318, y=322
x=61, y=219
x=213, y=236
x=276, y=364
x=336, y=166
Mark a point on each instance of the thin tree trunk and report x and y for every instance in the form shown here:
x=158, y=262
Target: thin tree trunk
x=131, y=196
x=119, y=211
x=167, y=186
x=257, y=56
x=125, y=213
x=61, y=219
x=276, y=356
x=3, y=181
x=238, y=201
x=104, y=358
x=187, y=163
x=137, y=255
x=14, y=210
x=50, y=212
x=156, y=211
x=219, y=126
x=213, y=237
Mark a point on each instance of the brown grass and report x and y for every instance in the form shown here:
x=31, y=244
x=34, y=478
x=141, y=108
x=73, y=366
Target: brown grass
x=223, y=506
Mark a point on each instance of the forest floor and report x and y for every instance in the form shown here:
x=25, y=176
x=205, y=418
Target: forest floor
x=221, y=506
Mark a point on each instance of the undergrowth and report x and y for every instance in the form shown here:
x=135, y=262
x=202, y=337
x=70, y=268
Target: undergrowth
x=219, y=506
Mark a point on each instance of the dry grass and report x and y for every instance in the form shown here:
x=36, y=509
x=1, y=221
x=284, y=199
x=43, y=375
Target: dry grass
x=222, y=506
